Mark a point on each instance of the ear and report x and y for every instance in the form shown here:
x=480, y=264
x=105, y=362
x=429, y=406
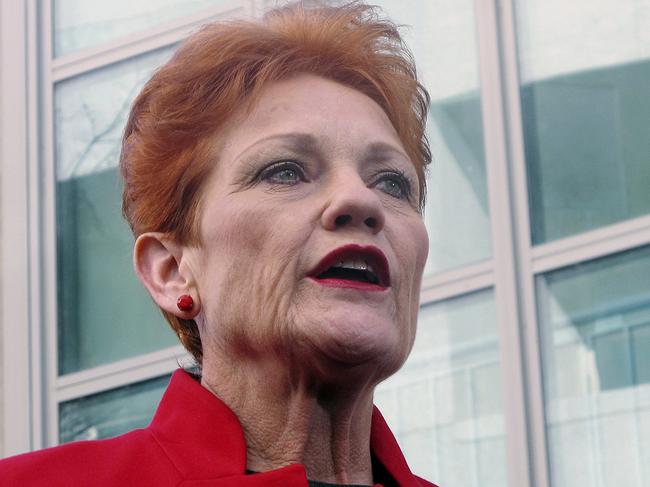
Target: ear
x=158, y=262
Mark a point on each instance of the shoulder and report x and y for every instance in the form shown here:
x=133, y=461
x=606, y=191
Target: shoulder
x=133, y=458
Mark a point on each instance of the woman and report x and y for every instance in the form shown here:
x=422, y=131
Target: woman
x=274, y=180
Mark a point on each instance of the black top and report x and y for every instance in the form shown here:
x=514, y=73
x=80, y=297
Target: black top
x=313, y=483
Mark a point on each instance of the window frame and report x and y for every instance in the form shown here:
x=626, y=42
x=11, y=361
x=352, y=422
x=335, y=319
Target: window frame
x=142, y=367
x=19, y=224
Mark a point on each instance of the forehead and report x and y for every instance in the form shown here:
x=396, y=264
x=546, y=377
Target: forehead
x=338, y=116
x=295, y=94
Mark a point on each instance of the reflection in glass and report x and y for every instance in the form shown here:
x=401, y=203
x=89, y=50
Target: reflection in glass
x=595, y=325
x=442, y=38
x=104, y=313
x=110, y=413
x=444, y=406
x=80, y=24
x=586, y=112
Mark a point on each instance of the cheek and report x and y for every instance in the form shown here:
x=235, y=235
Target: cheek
x=421, y=252
x=421, y=241
x=414, y=252
x=412, y=248
x=249, y=277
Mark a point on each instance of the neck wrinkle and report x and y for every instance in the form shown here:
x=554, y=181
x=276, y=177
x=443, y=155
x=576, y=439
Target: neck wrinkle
x=288, y=420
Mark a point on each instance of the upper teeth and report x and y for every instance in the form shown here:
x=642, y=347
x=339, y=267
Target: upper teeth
x=358, y=264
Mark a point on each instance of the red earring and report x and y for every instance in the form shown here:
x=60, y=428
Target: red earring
x=185, y=302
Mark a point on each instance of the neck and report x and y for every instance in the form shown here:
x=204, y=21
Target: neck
x=288, y=419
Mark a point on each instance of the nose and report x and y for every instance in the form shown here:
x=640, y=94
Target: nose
x=353, y=204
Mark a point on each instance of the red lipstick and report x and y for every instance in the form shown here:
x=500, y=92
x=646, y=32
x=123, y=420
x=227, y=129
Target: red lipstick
x=353, y=266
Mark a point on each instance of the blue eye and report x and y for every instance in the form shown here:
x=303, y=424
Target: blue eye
x=285, y=172
x=395, y=185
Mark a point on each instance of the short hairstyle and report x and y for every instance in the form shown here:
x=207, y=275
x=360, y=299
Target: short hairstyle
x=225, y=65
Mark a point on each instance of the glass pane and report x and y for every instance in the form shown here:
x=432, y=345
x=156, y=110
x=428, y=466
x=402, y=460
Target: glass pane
x=104, y=312
x=110, y=413
x=442, y=38
x=79, y=24
x=586, y=111
x=444, y=405
x=595, y=327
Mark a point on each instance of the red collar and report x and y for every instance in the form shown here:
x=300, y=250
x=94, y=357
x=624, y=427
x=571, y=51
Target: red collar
x=204, y=440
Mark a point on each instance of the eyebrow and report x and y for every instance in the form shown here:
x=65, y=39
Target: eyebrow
x=309, y=144
x=382, y=151
x=303, y=142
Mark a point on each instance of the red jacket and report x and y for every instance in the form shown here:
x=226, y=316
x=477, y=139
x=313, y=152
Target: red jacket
x=194, y=440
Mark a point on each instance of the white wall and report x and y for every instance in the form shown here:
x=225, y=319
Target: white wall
x=15, y=387
x=1, y=327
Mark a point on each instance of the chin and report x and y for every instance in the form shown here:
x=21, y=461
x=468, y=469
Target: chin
x=371, y=345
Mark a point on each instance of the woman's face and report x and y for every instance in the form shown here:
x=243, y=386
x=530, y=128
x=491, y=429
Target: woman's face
x=309, y=189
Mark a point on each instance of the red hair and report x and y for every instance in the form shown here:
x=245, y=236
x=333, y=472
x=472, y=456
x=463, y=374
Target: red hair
x=180, y=110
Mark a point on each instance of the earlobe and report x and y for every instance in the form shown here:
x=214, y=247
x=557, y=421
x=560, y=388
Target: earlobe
x=157, y=262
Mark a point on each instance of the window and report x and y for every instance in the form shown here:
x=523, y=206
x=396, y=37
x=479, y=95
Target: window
x=112, y=348
x=110, y=413
x=442, y=37
x=99, y=297
x=585, y=105
x=80, y=25
x=444, y=406
x=595, y=324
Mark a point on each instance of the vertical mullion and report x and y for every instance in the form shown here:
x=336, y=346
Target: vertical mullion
x=526, y=276
x=504, y=245
x=14, y=223
x=33, y=208
x=48, y=235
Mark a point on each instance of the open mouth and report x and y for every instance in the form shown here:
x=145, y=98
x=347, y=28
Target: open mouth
x=365, y=266
x=347, y=271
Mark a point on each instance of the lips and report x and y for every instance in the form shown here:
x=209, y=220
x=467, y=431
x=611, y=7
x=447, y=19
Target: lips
x=354, y=266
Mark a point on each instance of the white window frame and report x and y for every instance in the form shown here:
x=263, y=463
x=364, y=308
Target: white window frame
x=141, y=367
x=19, y=288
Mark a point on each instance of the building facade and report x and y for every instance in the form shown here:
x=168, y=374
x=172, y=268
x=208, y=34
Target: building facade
x=532, y=362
